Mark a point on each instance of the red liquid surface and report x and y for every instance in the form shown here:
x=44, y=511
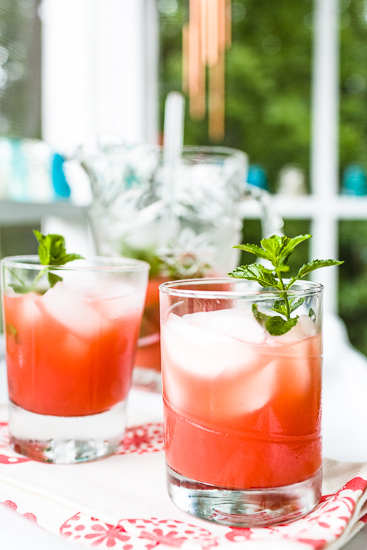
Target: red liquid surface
x=75, y=368
x=253, y=424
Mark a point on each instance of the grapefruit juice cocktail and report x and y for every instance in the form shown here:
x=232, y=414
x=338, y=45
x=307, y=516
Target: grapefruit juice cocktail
x=70, y=351
x=241, y=367
x=242, y=407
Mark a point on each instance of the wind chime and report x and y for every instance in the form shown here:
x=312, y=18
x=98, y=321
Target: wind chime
x=206, y=37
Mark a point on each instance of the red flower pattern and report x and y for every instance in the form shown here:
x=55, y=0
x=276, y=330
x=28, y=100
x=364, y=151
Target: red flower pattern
x=107, y=533
x=14, y=506
x=169, y=532
x=148, y=438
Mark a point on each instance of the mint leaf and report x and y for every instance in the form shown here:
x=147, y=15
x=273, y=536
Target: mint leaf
x=53, y=279
x=277, y=250
x=12, y=332
x=273, y=247
x=312, y=315
x=290, y=245
x=253, y=249
x=21, y=289
x=295, y=304
x=255, y=272
x=276, y=326
x=52, y=250
x=315, y=264
x=10, y=329
x=279, y=307
x=260, y=317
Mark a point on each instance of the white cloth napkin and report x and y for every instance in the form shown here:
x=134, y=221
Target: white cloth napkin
x=121, y=502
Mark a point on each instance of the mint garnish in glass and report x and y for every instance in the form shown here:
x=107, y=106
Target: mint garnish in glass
x=277, y=250
x=51, y=252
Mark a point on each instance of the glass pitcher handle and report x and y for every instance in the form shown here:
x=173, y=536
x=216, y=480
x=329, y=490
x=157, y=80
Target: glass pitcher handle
x=271, y=221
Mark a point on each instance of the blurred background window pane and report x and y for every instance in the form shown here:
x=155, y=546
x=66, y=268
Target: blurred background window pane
x=353, y=167
x=352, y=280
x=20, y=68
x=353, y=94
x=20, y=97
x=268, y=80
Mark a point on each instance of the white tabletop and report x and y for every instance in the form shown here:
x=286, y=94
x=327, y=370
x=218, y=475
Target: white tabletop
x=344, y=411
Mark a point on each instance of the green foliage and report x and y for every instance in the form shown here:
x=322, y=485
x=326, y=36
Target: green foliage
x=268, y=75
x=20, y=98
x=268, y=82
x=352, y=281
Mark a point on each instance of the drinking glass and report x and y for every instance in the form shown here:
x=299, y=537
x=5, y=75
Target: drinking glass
x=71, y=335
x=242, y=406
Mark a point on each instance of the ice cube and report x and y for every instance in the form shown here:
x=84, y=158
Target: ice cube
x=203, y=352
x=295, y=366
x=115, y=308
x=96, y=286
x=235, y=323
x=202, y=317
x=183, y=327
x=299, y=361
x=71, y=309
x=252, y=391
x=24, y=307
x=30, y=312
x=211, y=375
x=114, y=289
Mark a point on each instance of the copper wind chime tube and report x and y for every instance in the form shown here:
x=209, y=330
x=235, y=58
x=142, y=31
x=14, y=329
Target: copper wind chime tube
x=205, y=39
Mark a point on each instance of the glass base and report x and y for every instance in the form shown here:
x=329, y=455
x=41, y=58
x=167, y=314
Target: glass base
x=244, y=508
x=66, y=439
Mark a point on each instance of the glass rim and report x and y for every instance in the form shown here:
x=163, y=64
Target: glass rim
x=172, y=288
x=219, y=149
x=108, y=264
x=111, y=147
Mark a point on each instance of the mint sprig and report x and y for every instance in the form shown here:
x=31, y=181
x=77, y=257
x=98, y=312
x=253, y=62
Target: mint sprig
x=51, y=252
x=277, y=250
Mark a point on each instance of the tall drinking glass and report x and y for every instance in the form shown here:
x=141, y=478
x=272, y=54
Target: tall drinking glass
x=71, y=335
x=242, y=407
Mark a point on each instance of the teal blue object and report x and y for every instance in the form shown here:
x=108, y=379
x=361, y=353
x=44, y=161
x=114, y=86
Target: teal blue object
x=354, y=181
x=257, y=176
x=19, y=172
x=61, y=186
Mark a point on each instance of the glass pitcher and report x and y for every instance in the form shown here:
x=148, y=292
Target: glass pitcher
x=181, y=211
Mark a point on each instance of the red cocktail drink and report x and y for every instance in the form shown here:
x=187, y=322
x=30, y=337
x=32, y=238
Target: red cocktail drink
x=71, y=363
x=242, y=407
x=70, y=351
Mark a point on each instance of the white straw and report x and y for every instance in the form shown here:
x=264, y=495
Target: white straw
x=172, y=148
